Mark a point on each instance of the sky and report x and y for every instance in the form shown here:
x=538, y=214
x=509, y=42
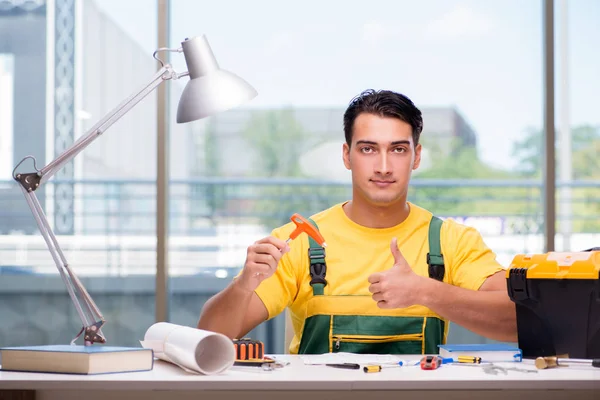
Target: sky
x=483, y=57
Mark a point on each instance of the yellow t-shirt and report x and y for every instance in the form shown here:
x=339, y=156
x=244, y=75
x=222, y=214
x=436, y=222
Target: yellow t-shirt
x=354, y=252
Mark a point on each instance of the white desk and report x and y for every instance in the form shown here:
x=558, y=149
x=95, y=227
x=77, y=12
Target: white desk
x=298, y=381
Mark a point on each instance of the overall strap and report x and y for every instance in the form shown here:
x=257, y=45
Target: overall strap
x=317, y=268
x=435, y=258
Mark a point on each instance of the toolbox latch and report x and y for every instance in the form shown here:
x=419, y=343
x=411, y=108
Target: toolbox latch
x=517, y=284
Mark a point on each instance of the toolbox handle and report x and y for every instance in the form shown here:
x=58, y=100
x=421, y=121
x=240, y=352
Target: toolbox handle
x=517, y=284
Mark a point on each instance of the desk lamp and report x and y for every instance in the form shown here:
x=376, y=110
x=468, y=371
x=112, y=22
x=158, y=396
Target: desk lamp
x=210, y=90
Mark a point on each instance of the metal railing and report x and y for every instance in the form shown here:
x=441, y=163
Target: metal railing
x=213, y=220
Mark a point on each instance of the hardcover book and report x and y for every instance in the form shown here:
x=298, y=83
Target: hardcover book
x=488, y=352
x=69, y=359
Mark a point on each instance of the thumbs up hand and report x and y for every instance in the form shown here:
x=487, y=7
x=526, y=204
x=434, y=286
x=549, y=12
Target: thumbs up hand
x=399, y=286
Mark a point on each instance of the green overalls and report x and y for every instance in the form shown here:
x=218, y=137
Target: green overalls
x=354, y=323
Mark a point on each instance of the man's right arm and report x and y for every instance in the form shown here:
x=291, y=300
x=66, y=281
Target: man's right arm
x=237, y=309
x=233, y=312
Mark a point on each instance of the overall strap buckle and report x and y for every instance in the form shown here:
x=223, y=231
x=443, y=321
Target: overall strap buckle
x=317, y=267
x=435, y=258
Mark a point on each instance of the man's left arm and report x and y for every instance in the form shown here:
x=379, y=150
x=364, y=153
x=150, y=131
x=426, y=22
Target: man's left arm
x=476, y=296
x=488, y=311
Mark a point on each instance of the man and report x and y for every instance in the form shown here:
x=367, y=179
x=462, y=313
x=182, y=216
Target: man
x=377, y=294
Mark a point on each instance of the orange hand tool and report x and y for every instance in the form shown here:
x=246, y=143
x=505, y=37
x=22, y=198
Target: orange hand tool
x=303, y=225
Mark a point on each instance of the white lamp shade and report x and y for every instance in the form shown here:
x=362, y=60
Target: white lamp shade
x=210, y=94
x=211, y=89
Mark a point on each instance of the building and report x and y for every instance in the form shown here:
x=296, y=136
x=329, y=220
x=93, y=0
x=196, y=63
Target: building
x=67, y=65
x=313, y=134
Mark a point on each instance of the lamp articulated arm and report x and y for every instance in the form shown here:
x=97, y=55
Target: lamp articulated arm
x=91, y=318
x=210, y=90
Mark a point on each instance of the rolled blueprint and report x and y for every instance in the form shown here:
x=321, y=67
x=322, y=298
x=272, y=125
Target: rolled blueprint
x=194, y=350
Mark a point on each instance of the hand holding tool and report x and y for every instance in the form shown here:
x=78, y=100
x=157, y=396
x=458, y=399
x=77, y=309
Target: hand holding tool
x=303, y=225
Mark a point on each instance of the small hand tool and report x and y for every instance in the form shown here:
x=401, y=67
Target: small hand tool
x=344, y=365
x=431, y=362
x=379, y=367
x=557, y=361
x=303, y=225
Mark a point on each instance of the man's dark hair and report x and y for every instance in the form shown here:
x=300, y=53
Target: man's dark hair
x=383, y=103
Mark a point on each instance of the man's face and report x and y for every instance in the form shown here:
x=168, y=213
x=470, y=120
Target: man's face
x=382, y=157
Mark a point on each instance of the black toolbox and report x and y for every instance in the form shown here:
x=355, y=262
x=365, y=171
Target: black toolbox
x=557, y=298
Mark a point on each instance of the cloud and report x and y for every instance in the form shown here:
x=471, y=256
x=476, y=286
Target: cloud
x=301, y=37
x=374, y=32
x=280, y=41
x=460, y=22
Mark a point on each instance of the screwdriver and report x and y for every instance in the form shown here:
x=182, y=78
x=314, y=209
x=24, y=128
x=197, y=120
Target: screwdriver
x=552, y=362
x=344, y=365
x=469, y=359
x=379, y=367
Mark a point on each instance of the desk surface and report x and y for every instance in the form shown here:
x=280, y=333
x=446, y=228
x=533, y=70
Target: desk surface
x=299, y=377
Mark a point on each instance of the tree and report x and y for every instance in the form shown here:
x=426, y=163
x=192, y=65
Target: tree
x=276, y=137
x=463, y=164
x=277, y=140
x=214, y=193
x=207, y=199
x=210, y=145
x=529, y=152
x=585, y=150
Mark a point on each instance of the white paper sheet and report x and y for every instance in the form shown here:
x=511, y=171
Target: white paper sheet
x=194, y=350
x=340, y=358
